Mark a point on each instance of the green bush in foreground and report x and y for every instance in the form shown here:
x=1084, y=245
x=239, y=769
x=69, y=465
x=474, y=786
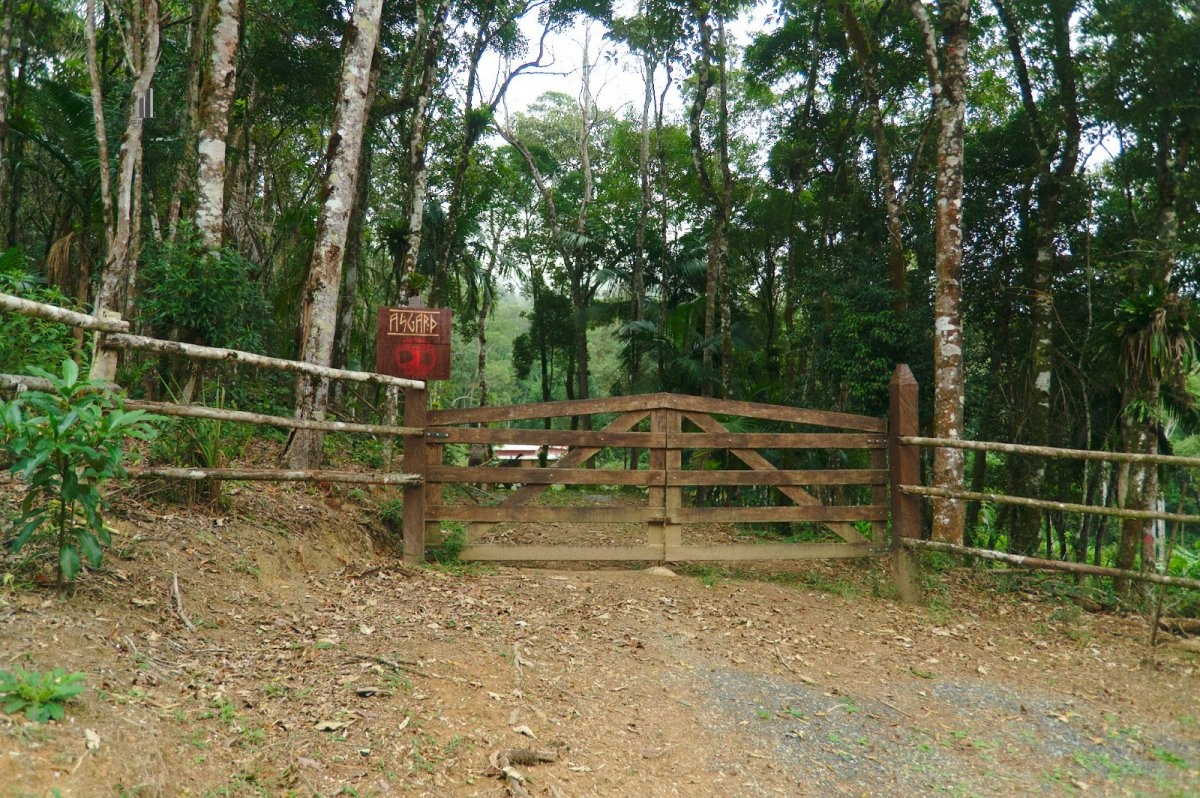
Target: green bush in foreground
x=66, y=444
x=39, y=695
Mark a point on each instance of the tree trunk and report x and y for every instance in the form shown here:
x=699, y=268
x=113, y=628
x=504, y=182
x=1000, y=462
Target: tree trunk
x=418, y=142
x=141, y=31
x=187, y=162
x=894, y=199
x=352, y=267
x=1051, y=181
x=637, y=279
x=948, y=86
x=106, y=205
x=717, y=236
x=1141, y=435
x=726, y=212
x=7, y=12
x=320, y=303
x=220, y=86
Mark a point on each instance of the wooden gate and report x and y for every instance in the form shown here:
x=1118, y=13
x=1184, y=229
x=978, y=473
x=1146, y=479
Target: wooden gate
x=672, y=429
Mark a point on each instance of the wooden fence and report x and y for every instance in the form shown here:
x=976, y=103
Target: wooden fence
x=666, y=426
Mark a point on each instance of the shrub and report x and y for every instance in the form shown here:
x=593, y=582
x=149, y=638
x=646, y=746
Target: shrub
x=66, y=444
x=24, y=340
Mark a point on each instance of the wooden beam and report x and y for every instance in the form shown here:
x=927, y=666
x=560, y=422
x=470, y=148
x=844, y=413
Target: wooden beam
x=1050, y=451
x=755, y=478
x=1045, y=504
x=771, y=551
x=123, y=341
x=416, y=405
x=903, y=458
x=751, y=515
x=597, y=439
x=661, y=401
x=518, y=553
x=498, y=514
x=243, y=417
x=1054, y=565
x=272, y=475
x=756, y=461
x=543, y=476
x=775, y=440
x=795, y=415
x=26, y=307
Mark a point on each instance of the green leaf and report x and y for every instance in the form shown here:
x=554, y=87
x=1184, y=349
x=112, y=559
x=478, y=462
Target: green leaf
x=68, y=561
x=90, y=546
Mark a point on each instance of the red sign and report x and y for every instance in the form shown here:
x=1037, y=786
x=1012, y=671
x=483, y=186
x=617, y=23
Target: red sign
x=413, y=343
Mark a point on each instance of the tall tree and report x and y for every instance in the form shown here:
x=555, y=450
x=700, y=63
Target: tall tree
x=320, y=301
x=947, y=68
x=1055, y=128
x=140, y=31
x=219, y=88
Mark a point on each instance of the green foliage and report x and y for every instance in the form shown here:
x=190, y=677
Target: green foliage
x=40, y=695
x=203, y=296
x=24, y=340
x=391, y=513
x=203, y=443
x=453, y=542
x=66, y=444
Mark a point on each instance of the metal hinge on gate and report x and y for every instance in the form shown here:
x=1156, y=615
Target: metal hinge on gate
x=437, y=435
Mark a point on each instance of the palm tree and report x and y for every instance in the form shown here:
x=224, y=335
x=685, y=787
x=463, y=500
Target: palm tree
x=1155, y=337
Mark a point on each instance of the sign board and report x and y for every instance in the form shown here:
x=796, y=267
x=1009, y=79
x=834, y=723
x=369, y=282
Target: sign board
x=413, y=343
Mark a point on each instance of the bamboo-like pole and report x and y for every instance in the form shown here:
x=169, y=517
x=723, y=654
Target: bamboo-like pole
x=20, y=382
x=10, y=382
x=272, y=475
x=1050, y=451
x=1051, y=565
x=1046, y=504
x=122, y=341
x=72, y=318
x=246, y=417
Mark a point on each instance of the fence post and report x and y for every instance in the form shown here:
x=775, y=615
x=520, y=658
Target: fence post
x=104, y=360
x=904, y=468
x=416, y=404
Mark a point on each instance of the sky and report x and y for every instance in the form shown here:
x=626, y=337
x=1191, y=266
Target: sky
x=616, y=80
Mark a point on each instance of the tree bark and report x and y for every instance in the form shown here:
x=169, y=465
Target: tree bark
x=717, y=235
x=948, y=80
x=1057, y=157
x=319, y=313
x=418, y=142
x=141, y=32
x=7, y=12
x=187, y=163
x=220, y=86
x=637, y=279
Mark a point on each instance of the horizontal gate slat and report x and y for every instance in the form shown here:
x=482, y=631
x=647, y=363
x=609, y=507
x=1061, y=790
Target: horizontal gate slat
x=848, y=476
x=775, y=440
x=770, y=551
x=562, y=515
x=545, y=437
x=510, y=553
x=545, y=476
x=814, y=512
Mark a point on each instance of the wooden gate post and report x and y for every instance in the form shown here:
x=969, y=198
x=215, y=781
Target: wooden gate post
x=416, y=406
x=904, y=468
